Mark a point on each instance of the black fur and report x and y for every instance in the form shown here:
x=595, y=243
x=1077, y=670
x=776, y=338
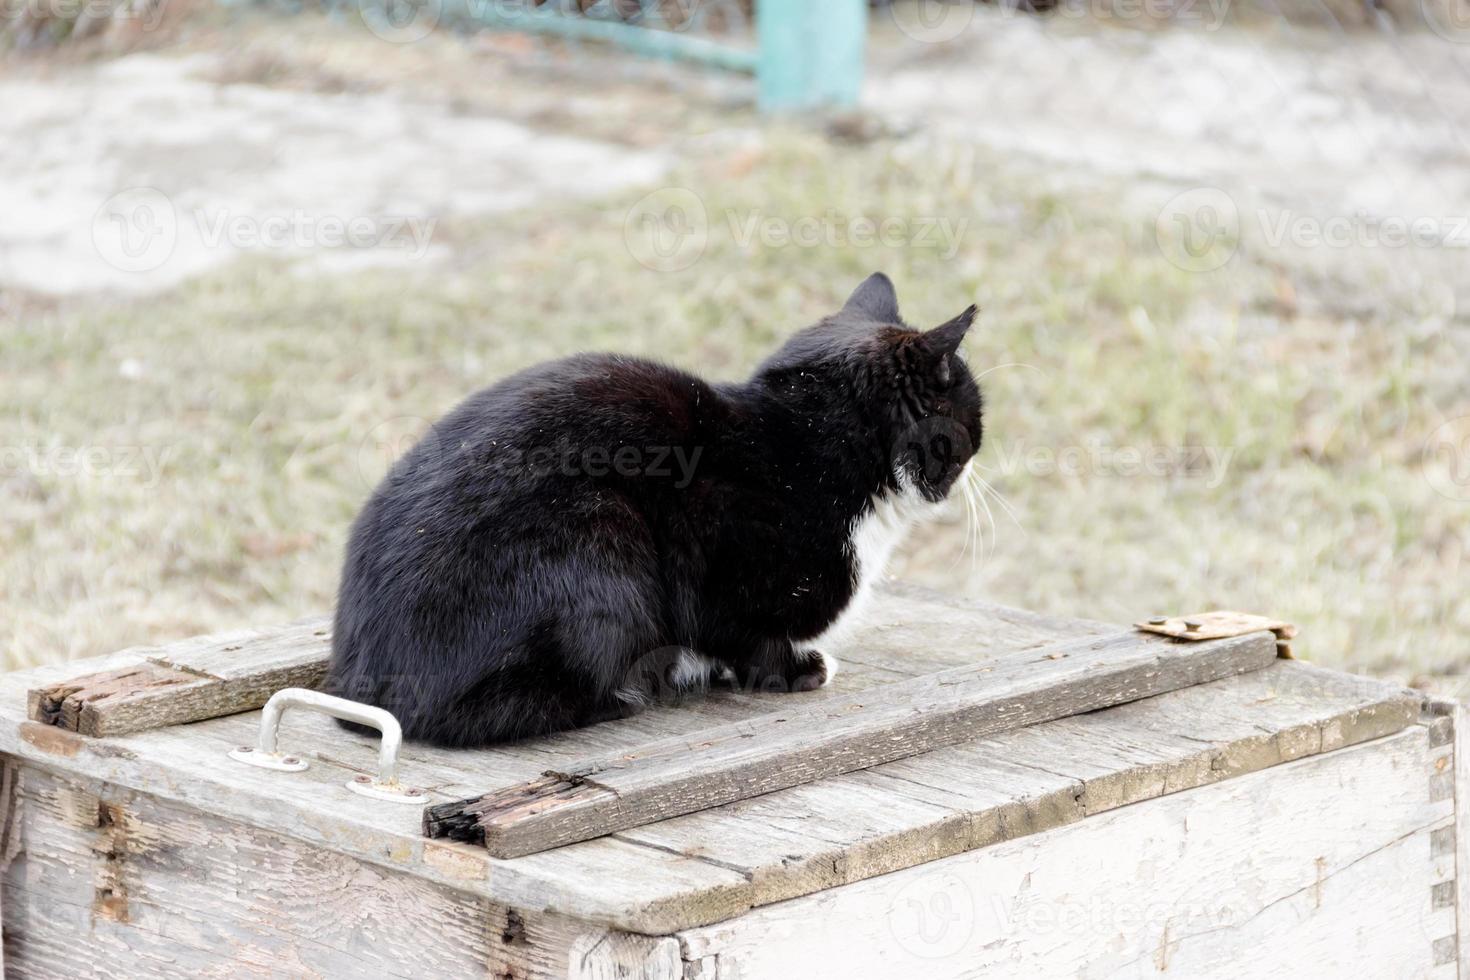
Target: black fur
x=566, y=534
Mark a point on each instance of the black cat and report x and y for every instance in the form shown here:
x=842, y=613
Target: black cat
x=568, y=542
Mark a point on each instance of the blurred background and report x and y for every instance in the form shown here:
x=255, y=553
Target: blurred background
x=1221, y=249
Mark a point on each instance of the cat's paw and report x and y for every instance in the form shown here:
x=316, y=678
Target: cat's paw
x=819, y=671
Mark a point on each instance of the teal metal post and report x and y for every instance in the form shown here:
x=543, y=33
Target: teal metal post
x=811, y=53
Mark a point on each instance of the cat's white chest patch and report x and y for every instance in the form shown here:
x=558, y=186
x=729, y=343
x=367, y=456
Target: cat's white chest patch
x=874, y=537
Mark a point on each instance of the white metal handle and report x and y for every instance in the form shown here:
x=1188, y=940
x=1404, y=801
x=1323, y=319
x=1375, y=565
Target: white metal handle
x=266, y=755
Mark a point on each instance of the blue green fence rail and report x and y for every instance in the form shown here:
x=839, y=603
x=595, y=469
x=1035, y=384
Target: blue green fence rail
x=804, y=54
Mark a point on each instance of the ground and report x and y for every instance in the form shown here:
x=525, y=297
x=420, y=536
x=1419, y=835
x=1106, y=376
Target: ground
x=1218, y=373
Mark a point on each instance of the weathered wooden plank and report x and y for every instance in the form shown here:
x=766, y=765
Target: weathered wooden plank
x=205, y=677
x=792, y=747
x=911, y=630
x=1269, y=874
x=863, y=824
x=65, y=704
x=168, y=891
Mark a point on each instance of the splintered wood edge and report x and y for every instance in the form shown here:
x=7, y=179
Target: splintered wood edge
x=478, y=820
x=152, y=695
x=73, y=704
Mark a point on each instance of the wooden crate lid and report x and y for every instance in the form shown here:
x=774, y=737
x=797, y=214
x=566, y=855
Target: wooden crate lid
x=708, y=866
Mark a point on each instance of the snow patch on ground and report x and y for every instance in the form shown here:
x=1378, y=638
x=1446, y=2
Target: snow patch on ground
x=137, y=174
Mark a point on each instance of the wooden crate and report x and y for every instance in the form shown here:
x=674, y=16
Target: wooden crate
x=1288, y=821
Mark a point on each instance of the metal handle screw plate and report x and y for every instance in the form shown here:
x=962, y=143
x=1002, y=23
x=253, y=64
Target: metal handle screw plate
x=265, y=755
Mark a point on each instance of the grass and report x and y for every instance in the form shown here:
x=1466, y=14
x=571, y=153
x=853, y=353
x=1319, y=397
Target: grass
x=270, y=401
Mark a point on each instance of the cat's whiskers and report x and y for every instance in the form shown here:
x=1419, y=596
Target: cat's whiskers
x=977, y=487
x=987, y=489
x=973, y=499
x=1010, y=364
x=975, y=490
x=970, y=522
x=990, y=519
x=969, y=493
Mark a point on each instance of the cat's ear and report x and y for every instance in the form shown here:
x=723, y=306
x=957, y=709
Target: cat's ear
x=874, y=299
x=942, y=342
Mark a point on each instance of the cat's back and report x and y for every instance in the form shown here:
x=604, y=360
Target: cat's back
x=588, y=418
x=591, y=392
x=586, y=402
